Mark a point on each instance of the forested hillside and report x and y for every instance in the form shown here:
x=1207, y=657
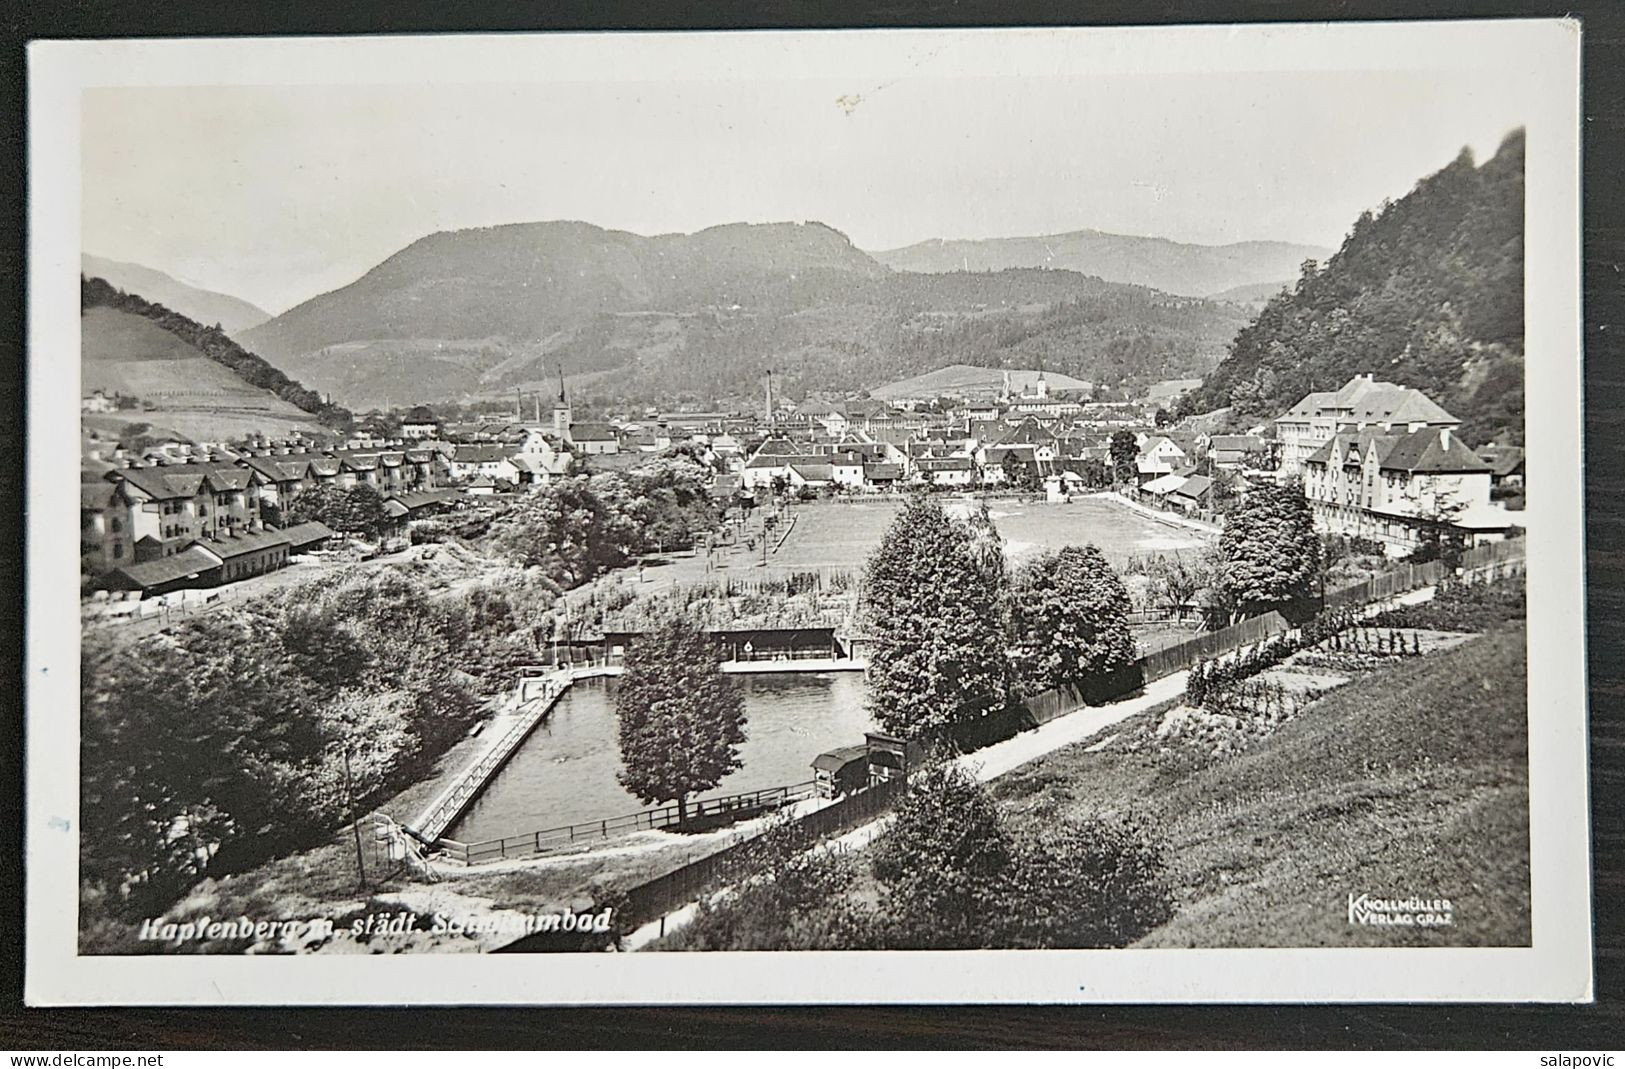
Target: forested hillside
x=703, y=316
x=212, y=343
x=1426, y=292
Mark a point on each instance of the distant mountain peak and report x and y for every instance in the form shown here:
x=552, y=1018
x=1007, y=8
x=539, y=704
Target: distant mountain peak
x=194, y=302
x=1181, y=268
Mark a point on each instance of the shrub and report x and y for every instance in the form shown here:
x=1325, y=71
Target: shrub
x=1458, y=606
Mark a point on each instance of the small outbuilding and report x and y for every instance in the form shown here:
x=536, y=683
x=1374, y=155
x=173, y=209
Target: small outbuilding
x=841, y=771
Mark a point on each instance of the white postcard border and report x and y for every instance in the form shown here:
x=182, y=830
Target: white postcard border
x=1543, y=54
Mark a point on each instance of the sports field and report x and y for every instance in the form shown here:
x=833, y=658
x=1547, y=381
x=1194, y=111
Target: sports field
x=832, y=536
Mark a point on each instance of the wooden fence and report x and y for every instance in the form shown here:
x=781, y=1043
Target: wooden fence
x=665, y=893
x=1488, y=562
x=731, y=806
x=681, y=886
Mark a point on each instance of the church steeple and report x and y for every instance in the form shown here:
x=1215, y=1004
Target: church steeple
x=561, y=408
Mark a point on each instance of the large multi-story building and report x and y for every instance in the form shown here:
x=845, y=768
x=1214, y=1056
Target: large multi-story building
x=1363, y=404
x=1392, y=486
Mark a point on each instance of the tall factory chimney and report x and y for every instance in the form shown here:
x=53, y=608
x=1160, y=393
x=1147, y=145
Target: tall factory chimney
x=767, y=414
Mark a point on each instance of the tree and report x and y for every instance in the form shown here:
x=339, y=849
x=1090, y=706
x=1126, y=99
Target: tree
x=357, y=510
x=1018, y=474
x=1175, y=581
x=1070, y=618
x=942, y=860
x=681, y=720
x=1437, y=535
x=932, y=601
x=1269, y=552
x=1124, y=452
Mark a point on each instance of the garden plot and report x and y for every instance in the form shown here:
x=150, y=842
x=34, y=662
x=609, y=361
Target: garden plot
x=1234, y=717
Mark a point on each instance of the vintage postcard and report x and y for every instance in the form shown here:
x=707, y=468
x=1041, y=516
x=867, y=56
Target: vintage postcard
x=1055, y=515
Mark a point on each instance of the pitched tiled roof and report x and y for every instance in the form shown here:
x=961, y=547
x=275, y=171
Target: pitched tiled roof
x=170, y=481
x=776, y=447
x=285, y=468
x=96, y=495
x=1502, y=459
x=1193, y=487
x=1165, y=485
x=419, y=498
x=239, y=544
x=480, y=454
x=1028, y=432
x=815, y=471
x=882, y=472
x=592, y=432
x=996, y=454
x=1339, y=444
x=1431, y=450
x=303, y=534
x=168, y=569
x=1364, y=400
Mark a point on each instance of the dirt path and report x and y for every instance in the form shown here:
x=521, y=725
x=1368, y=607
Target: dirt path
x=985, y=764
x=1002, y=758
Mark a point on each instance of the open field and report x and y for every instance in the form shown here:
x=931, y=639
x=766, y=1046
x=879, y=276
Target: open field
x=1402, y=783
x=839, y=537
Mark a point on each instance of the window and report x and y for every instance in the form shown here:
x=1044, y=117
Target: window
x=118, y=550
x=116, y=525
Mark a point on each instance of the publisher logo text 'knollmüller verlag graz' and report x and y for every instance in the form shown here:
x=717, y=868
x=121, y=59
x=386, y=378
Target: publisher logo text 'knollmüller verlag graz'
x=1409, y=912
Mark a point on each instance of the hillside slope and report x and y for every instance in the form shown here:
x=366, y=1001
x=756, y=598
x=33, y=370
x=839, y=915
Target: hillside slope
x=703, y=317
x=186, y=378
x=1427, y=292
x=1402, y=783
x=1170, y=266
x=232, y=314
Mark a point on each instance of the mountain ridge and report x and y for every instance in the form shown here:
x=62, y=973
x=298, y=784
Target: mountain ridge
x=704, y=316
x=1182, y=268
x=196, y=303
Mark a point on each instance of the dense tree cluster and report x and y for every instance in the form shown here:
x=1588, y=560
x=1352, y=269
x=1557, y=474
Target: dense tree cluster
x=1124, y=451
x=213, y=343
x=933, y=605
x=223, y=741
x=953, y=871
x=951, y=628
x=578, y=528
x=357, y=510
x=1427, y=292
x=1070, y=618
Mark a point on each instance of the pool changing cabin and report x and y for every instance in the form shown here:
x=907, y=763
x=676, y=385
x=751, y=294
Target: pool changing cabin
x=852, y=768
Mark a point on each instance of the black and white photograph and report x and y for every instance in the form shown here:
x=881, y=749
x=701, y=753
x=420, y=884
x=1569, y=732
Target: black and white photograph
x=587, y=518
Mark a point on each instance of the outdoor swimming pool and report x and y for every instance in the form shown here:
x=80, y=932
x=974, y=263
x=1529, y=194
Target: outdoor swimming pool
x=565, y=772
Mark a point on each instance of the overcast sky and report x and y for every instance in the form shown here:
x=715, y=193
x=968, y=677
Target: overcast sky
x=277, y=194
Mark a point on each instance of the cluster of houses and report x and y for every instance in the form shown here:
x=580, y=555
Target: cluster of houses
x=1376, y=460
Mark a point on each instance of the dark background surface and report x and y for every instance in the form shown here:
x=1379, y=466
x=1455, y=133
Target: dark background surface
x=1354, y=1027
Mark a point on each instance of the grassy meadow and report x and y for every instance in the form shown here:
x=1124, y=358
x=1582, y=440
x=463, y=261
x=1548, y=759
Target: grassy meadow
x=1408, y=781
